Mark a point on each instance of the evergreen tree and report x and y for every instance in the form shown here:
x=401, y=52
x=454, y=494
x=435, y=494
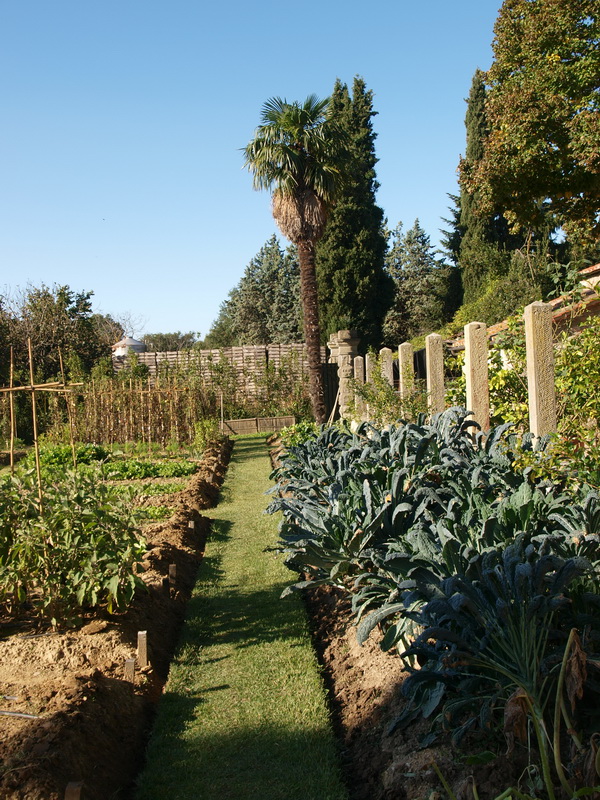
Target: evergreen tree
x=485, y=242
x=265, y=306
x=452, y=239
x=284, y=322
x=222, y=330
x=255, y=294
x=421, y=285
x=354, y=290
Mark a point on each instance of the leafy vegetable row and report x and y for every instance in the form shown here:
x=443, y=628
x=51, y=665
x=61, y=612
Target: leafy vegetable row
x=478, y=572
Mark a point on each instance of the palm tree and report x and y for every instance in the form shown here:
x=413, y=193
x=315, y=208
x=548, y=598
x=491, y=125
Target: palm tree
x=296, y=153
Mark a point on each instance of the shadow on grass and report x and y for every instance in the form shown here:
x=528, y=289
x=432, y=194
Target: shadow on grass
x=253, y=760
x=243, y=618
x=244, y=449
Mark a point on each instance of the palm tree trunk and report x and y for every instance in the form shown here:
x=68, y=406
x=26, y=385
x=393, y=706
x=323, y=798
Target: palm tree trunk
x=312, y=329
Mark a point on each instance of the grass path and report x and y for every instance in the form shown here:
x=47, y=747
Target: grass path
x=244, y=713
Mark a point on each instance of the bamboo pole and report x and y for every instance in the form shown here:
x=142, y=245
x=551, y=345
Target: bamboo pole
x=12, y=413
x=35, y=432
x=36, y=386
x=131, y=399
x=69, y=414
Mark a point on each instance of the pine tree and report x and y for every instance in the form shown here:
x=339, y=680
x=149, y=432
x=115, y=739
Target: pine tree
x=265, y=306
x=421, y=285
x=284, y=322
x=354, y=291
x=256, y=290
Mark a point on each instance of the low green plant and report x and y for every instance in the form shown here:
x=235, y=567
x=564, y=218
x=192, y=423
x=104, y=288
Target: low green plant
x=157, y=489
x=206, y=430
x=384, y=402
x=434, y=518
x=135, y=469
x=494, y=637
x=154, y=513
x=79, y=551
x=61, y=455
x=298, y=434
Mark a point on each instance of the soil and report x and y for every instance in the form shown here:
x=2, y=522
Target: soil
x=364, y=685
x=69, y=712
x=82, y=721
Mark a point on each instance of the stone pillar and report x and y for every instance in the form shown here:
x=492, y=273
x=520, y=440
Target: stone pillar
x=369, y=367
x=360, y=405
x=387, y=365
x=333, y=347
x=476, y=371
x=347, y=342
x=407, y=369
x=434, y=353
x=540, y=368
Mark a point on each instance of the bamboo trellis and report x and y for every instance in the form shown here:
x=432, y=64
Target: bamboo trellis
x=33, y=388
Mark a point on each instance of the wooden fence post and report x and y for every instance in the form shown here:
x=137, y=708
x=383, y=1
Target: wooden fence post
x=434, y=353
x=476, y=369
x=407, y=369
x=540, y=368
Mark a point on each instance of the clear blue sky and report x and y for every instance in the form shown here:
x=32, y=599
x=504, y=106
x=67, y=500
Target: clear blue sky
x=122, y=123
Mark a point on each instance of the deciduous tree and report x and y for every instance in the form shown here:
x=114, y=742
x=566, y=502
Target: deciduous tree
x=541, y=157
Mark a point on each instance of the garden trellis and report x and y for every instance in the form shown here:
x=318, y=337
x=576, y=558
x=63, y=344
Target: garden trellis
x=52, y=386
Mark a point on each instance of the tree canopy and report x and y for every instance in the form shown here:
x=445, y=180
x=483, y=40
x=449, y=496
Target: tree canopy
x=421, y=285
x=541, y=158
x=58, y=321
x=265, y=305
x=170, y=342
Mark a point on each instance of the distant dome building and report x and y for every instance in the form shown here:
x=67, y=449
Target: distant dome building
x=128, y=345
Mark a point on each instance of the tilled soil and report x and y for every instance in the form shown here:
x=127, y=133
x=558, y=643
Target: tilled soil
x=69, y=713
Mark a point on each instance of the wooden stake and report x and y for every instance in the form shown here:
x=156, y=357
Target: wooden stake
x=12, y=413
x=172, y=574
x=70, y=416
x=35, y=432
x=73, y=790
x=143, y=649
x=130, y=669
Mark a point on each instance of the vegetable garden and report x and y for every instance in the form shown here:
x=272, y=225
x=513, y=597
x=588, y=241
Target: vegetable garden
x=468, y=563
x=481, y=575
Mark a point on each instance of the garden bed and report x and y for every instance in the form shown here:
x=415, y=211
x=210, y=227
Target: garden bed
x=364, y=687
x=73, y=715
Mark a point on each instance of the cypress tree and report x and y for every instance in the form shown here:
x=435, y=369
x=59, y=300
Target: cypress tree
x=485, y=240
x=354, y=290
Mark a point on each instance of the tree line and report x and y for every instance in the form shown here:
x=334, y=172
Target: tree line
x=527, y=211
